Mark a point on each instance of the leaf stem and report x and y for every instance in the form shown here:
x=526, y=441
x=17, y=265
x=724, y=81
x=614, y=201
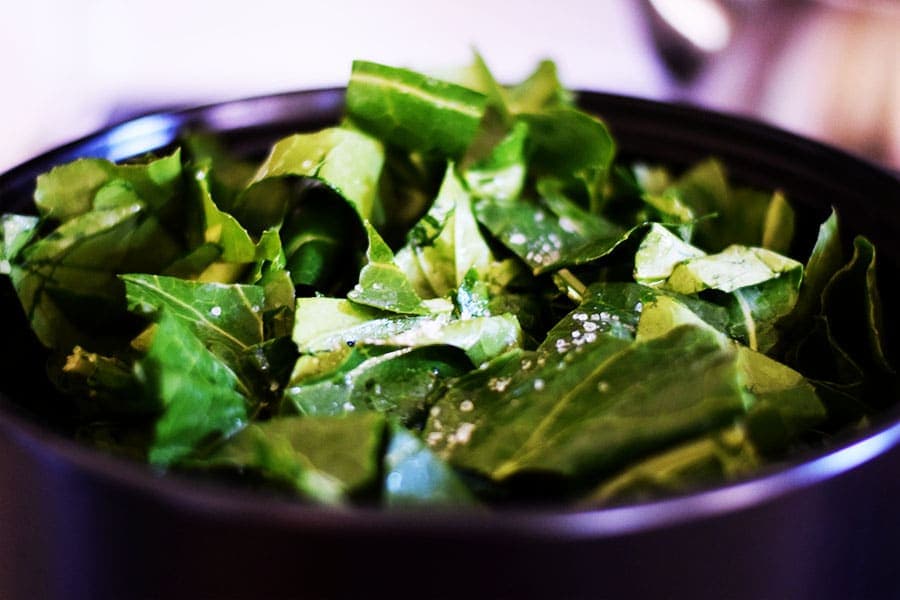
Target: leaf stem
x=575, y=289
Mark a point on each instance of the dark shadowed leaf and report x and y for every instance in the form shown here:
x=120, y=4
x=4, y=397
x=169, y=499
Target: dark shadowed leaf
x=323, y=459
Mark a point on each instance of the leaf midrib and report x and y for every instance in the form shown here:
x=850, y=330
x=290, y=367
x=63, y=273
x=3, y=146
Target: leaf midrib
x=200, y=315
x=406, y=89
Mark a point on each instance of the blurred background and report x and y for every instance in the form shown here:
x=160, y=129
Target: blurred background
x=828, y=69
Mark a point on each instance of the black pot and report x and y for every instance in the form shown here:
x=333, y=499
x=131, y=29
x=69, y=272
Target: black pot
x=76, y=523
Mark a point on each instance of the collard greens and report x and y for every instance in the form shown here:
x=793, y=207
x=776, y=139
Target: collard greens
x=459, y=295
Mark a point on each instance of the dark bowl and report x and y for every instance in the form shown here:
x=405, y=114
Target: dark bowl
x=77, y=523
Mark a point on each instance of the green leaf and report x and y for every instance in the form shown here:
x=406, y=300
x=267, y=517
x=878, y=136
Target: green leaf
x=76, y=188
x=266, y=369
x=667, y=207
x=408, y=185
x=396, y=382
x=807, y=341
x=724, y=455
x=555, y=131
x=326, y=324
x=658, y=255
x=67, y=277
x=15, y=232
x=445, y=244
x=742, y=216
x=481, y=79
x=598, y=249
x=653, y=181
x=778, y=227
x=219, y=227
x=570, y=216
x=322, y=235
x=784, y=404
x=501, y=174
x=826, y=258
x=612, y=311
x=764, y=286
x=413, y=111
x=112, y=219
x=472, y=297
x=324, y=459
x=382, y=284
x=226, y=319
x=540, y=91
x=607, y=316
x=414, y=476
x=550, y=234
x=278, y=314
x=228, y=174
x=734, y=268
x=199, y=392
x=346, y=160
x=102, y=387
x=851, y=305
x=578, y=415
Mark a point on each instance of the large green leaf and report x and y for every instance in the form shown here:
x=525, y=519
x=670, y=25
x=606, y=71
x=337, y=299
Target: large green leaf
x=413, y=111
x=578, y=415
x=202, y=398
